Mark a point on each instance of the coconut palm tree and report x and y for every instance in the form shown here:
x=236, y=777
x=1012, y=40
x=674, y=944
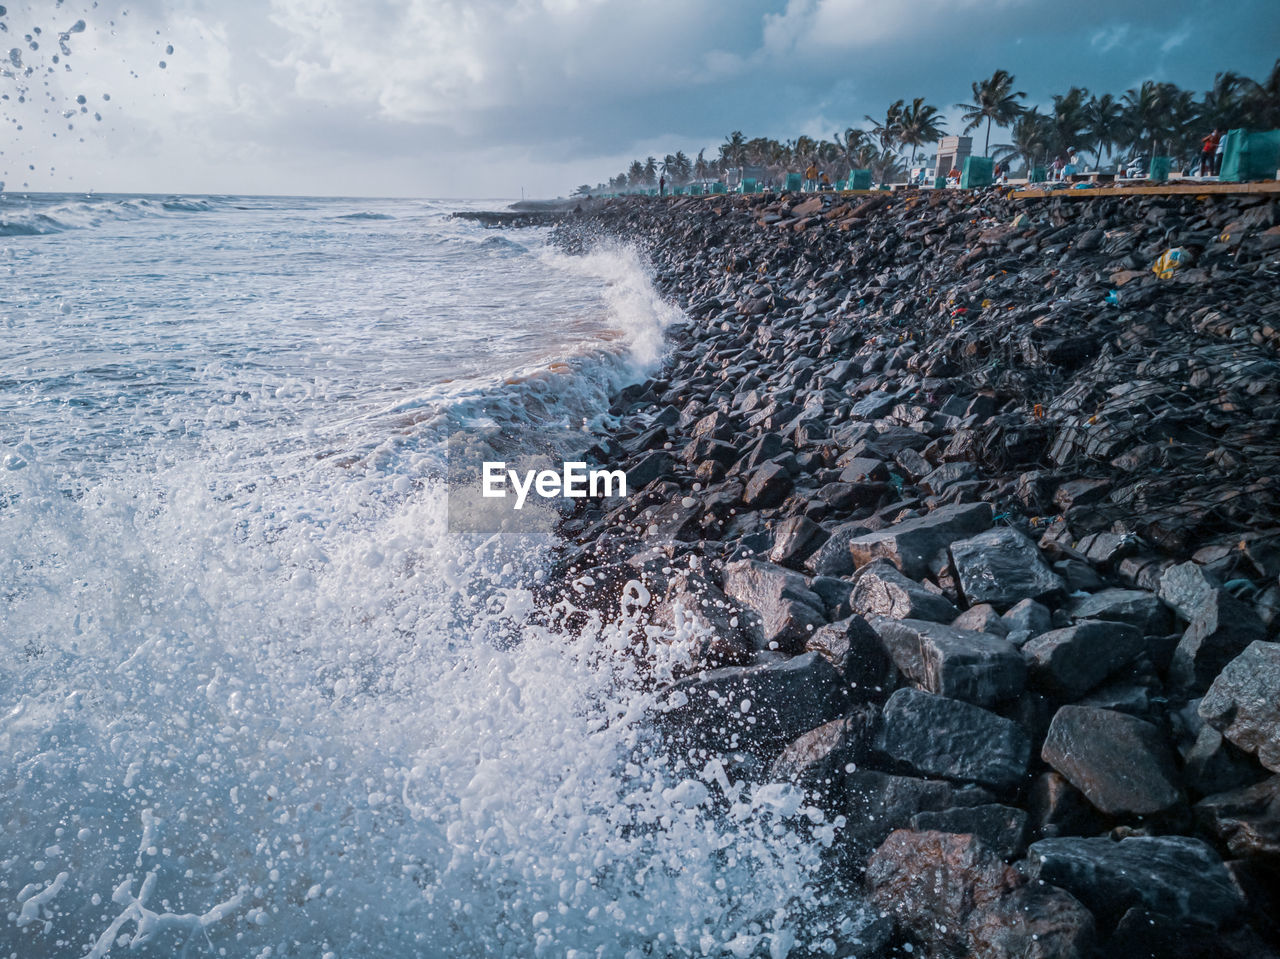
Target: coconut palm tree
x=701, y=168
x=733, y=150
x=1069, y=119
x=1149, y=111
x=1104, y=125
x=850, y=143
x=650, y=171
x=1262, y=101
x=919, y=124
x=886, y=131
x=635, y=174
x=1031, y=134
x=995, y=101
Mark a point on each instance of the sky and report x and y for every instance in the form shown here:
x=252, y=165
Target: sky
x=503, y=98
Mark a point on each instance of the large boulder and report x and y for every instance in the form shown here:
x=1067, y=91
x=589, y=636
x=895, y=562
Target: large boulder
x=1246, y=821
x=1220, y=629
x=819, y=757
x=958, y=896
x=877, y=803
x=1122, y=764
x=1186, y=587
x=1069, y=662
x=911, y=544
x=975, y=667
x=1002, y=828
x=935, y=736
x=1139, y=608
x=755, y=708
x=882, y=589
x=1176, y=876
x=788, y=610
x=717, y=629
x=833, y=558
x=855, y=649
x=1002, y=567
x=1244, y=703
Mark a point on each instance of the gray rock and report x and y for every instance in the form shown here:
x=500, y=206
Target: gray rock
x=648, y=468
x=727, y=635
x=877, y=803
x=1246, y=821
x=754, y=708
x=881, y=589
x=788, y=610
x=939, y=737
x=1057, y=808
x=1002, y=567
x=768, y=486
x=974, y=667
x=796, y=539
x=910, y=545
x=1002, y=828
x=817, y=759
x=956, y=894
x=1122, y=764
x=982, y=618
x=1213, y=765
x=1244, y=703
x=863, y=469
x=1220, y=629
x=1071, y=661
x=833, y=558
x=1177, y=876
x=855, y=649
x=1137, y=607
x=1186, y=587
x=1029, y=615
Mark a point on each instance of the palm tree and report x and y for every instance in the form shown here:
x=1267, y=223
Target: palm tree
x=995, y=101
x=1031, y=135
x=635, y=174
x=1262, y=102
x=1149, y=112
x=919, y=124
x=733, y=150
x=886, y=132
x=701, y=168
x=849, y=143
x=1069, y=119
x=650, y=171
x=1104, y=121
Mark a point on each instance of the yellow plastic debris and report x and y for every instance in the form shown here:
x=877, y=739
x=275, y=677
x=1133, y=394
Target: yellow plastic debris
x=1171, y=261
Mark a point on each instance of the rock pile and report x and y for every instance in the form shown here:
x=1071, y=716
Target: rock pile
x=970, y=524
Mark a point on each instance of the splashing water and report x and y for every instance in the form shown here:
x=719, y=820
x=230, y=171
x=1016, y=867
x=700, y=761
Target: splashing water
x=256, y=699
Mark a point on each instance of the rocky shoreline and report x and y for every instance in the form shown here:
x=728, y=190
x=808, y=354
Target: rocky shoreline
x=979, y=516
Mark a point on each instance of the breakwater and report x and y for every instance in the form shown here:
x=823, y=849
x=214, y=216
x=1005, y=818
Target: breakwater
x=971, y=514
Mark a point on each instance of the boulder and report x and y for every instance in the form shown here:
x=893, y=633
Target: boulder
x=1186, y=587
x=1221, y=627
x=956, y=894
x=833, y=558
x=974, y=667
x=1030, y=616
x=757, y=708
x=1137, y=607
x=648, y=468
x=911, y=544
x=723, y=634
x=877, y=803
x=796, y=539
x=881, y=589
x=1122, y=764
x=855, y=649
x=817, y=759
x=788, y=610
x=1245, y=821
x=1069, y=662
x=1244, y=703
x=1002, y=567
x=767, y=487
x=1177, y=876
x=1057, y=808
x=939, y=737
x=1002, y=828
x=982, y=618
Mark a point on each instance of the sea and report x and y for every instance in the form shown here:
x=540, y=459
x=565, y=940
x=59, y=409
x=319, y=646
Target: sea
x=258, y=697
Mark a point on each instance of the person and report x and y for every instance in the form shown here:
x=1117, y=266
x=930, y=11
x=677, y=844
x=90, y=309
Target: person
x=1218, y=151
x=1209, y=153
x=811, y=178
x=826, y=180
x=954, y=175
x=1072, y=166
x=662, y=185
x=1058, y=167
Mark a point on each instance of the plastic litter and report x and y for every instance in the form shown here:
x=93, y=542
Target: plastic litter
x=1171, y=261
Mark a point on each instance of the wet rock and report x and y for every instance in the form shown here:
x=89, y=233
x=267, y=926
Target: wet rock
x=955, y=893
x=1137, y=607
x=1071, y=661
x=935, y=736
x=877, y=803
x=1244, y=703
x=1213, y=765
x=796, y=539
x=788, y=610
x=833, y=558
x=756, y=708
x=1180, y=877
x=1186, y=587
x=1220, y=629
x=1002, y=567
x=881, y=589
x=768, y=486
x=1057, y=808
x=1245, y=821
x=649, y=468
x=817, y=759
x=973, y=667
x=1002, y=828
x=1029, y=615
x=855, y=649
x=1122, y=764
x=910, y=545
x=1143, y=934
x=724, y=634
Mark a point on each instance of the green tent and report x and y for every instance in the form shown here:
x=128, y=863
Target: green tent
x=719, y=187
x=748, y=185
x=1039, y=174
x=978, y=171
x=794, y=182
x=1250, y=155
x=1160, y=166
x=859, y=179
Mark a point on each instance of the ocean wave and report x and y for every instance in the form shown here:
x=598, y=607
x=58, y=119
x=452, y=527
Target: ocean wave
x=364, y=216
x=38, y=215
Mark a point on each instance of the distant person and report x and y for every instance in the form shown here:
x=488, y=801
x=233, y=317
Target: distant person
x=825, y=180
x=811, y=178
x=662, y=185
x=1209, y=153
x=1072, y=166
x=1058, y=167
x=953, y=175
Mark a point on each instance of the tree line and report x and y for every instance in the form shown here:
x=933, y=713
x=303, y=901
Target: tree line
x=1156, y=118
